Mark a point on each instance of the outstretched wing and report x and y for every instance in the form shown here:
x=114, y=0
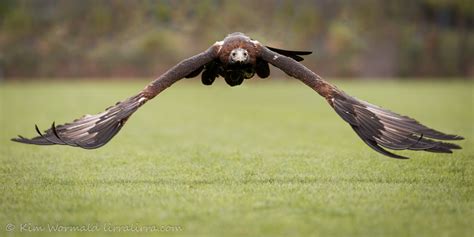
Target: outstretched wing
x=93, y=131
x=262, y=68
x=90, y=131
x=377, y=127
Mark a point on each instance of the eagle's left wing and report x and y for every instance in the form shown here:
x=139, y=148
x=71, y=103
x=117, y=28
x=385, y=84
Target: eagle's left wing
x=93, y=131
x=377, y=127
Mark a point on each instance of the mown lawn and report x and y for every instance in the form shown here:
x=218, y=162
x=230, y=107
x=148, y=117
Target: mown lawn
x=269, y=158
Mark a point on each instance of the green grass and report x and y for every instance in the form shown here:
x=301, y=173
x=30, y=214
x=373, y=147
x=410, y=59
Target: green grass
x=268, y=158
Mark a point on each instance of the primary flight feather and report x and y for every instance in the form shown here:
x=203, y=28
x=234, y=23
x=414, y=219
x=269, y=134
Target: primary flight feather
x=237, y=58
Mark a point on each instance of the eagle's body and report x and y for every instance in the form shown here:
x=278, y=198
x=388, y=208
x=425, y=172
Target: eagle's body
x=237, y=58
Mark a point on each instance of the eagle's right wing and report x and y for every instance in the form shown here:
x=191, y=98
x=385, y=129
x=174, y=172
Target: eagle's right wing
x=93, y=131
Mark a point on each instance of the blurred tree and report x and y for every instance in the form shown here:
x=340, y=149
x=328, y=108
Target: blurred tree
x=366, y=38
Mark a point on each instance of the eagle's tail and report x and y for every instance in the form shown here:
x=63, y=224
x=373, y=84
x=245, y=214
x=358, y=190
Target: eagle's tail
x=90, y=131
x=379, y=128
x=296, y=55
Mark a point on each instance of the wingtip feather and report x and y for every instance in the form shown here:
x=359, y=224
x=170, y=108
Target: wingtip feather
x=382, y=128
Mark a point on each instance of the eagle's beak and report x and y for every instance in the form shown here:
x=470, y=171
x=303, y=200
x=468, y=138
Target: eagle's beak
x=239, y=55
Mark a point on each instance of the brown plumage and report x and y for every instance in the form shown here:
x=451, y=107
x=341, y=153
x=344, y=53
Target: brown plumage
x=237, y=58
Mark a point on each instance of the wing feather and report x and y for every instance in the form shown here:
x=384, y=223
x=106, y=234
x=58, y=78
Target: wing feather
x=388, y=129
x=94, y=131
x=90, y=131
x=377, y=127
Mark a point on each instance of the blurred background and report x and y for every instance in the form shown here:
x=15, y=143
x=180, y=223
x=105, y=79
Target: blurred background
x=349, y=39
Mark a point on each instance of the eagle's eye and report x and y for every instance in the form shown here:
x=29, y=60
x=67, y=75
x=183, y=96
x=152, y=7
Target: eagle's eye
x=238, y=55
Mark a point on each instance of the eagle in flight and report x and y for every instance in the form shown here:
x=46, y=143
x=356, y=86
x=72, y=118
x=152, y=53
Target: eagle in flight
x=239, y=57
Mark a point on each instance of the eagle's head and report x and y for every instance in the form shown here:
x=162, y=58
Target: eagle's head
x=239, y=55
x=237, y=50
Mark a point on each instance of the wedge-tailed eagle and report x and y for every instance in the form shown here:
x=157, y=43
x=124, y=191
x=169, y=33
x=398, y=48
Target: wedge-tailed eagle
x=237, y=58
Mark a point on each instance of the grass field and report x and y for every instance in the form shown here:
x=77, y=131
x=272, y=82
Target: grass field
x=269, y=158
